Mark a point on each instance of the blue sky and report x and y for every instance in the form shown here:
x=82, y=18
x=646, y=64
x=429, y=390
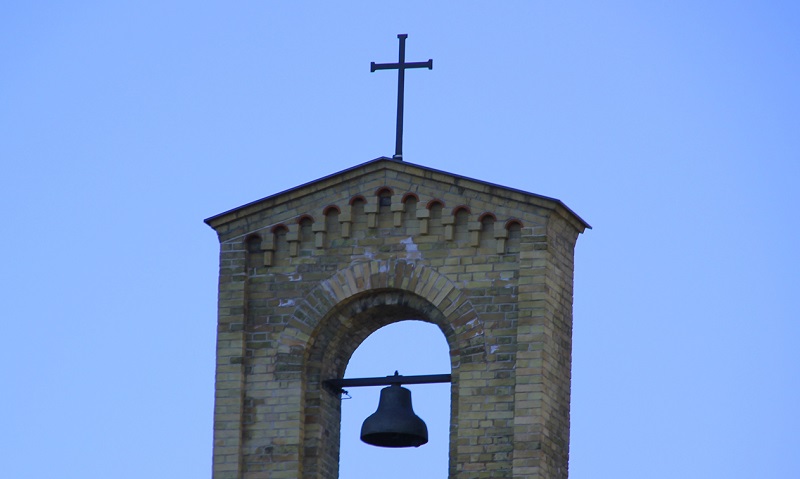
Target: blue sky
x=671, y=127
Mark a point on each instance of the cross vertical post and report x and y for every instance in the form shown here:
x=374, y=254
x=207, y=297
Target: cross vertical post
x=401, y=67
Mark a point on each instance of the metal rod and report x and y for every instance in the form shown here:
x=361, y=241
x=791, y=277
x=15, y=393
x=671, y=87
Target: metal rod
x=401, y=81
x=339, y=384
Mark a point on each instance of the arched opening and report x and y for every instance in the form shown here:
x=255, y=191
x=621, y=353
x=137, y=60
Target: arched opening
x=435, y=228
x=358, y=217
x=410, y=221
x=333, y=229
x=255, y=257
x=355, y=303
x=281, y=245
x=413, y=348
x=514, y=229
x=461, y=223
x=487, y=239
x=306, y=234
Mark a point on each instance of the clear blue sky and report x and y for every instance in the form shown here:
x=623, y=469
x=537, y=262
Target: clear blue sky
x=672, y=127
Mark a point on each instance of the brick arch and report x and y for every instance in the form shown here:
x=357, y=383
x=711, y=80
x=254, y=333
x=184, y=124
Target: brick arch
x=459, y=208
x=461, y=324
x=410, y=194
x=328, y=209
x=433, y=202
x=341, y=312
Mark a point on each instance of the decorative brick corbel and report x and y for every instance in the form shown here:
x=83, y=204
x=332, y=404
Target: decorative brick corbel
x=319, y=234
x=268, y=247
x=371, y=209
x=424, y=216
x=346, y=220
x=501, y=235
x=397, y=210
x=448, y=222
x=293, y=237
x=474, y=228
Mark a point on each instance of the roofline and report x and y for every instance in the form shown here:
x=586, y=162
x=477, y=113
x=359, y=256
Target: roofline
x=211, y=219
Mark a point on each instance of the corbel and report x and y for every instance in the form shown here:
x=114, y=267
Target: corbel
x=424, y=216
x=293, y=237
x=318, y=227
x=448, y=222
x=371, y=209
x=474, y=228
x=397, y=209
x=501, y=235
x=346, y=220
x=268, y=247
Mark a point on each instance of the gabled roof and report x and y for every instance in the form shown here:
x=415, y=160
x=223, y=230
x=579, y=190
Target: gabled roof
x=376, y=165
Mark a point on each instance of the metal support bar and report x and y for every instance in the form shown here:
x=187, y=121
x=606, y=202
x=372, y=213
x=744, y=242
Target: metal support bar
x=338, y=384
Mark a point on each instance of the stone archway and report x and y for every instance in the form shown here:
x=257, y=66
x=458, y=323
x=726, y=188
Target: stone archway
x=360, y=300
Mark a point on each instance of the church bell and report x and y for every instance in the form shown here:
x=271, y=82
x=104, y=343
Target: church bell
x=394, y=424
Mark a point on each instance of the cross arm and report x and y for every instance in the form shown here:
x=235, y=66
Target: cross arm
x=396, y=66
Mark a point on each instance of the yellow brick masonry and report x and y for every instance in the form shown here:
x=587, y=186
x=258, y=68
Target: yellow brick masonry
x=499, y=287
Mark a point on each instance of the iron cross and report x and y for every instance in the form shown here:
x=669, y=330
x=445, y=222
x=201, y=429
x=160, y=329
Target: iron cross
x=401, y=67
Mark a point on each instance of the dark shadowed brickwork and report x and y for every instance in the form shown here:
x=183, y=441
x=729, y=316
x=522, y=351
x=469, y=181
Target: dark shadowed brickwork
x=306, y=275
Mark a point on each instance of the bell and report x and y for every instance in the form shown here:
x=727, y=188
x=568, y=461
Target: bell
x=394, y=424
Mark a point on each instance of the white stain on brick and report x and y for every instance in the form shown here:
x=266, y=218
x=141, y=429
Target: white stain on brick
x=412, y=251
x=286, y=302
x=295, y=277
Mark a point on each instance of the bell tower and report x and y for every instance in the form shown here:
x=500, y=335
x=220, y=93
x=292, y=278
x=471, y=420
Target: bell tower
x=307, y=274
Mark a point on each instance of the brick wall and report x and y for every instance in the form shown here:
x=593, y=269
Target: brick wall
x=308, y=274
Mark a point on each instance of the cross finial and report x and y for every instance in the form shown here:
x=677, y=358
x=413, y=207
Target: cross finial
x=401, y=67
